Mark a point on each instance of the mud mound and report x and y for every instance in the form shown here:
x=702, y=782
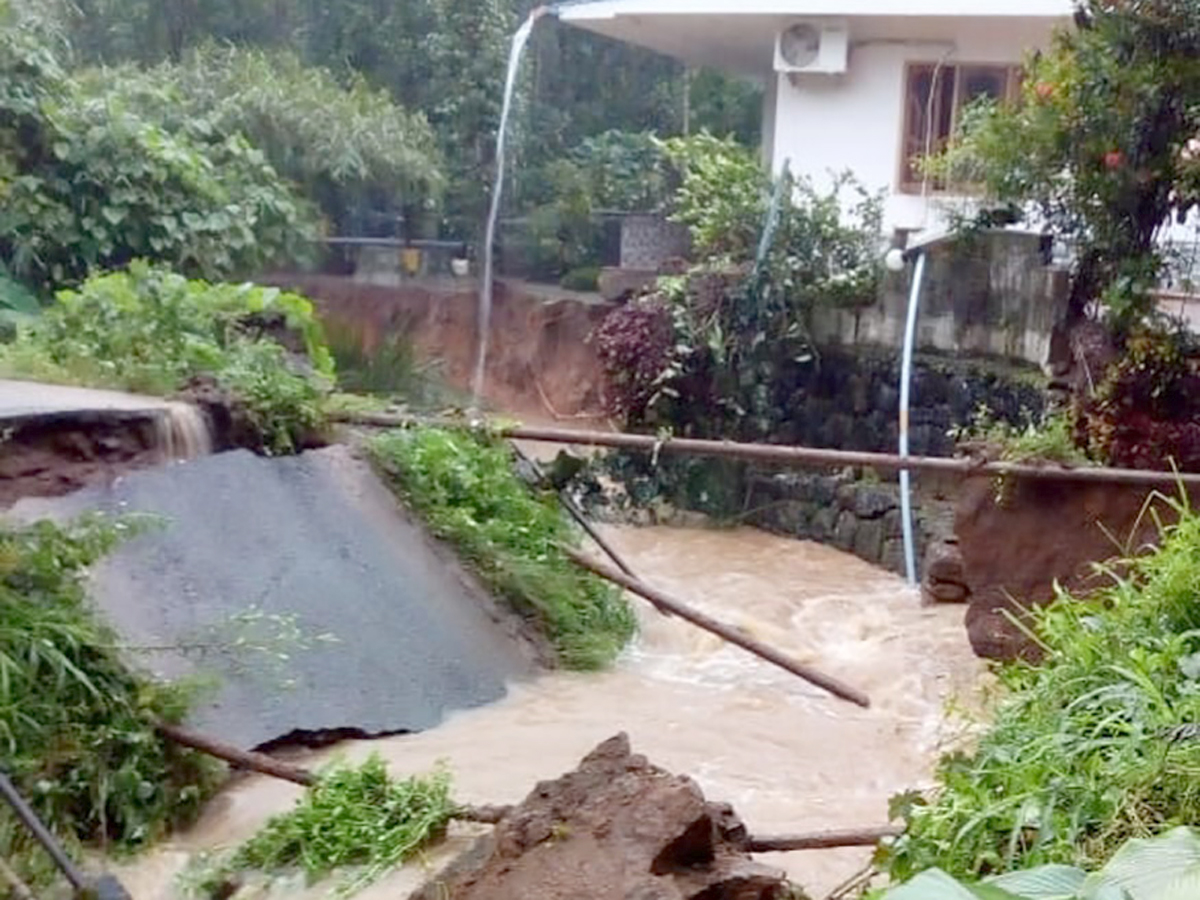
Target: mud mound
x=616, y=828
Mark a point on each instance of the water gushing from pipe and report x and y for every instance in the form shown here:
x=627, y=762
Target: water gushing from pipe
x=520, y=39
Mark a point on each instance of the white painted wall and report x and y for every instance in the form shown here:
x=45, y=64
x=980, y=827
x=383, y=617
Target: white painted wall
x=855, y=121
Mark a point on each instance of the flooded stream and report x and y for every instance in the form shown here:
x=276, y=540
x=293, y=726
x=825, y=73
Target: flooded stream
x=789, y=757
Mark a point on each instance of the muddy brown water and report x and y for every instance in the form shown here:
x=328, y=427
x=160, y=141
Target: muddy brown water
x=789, y=757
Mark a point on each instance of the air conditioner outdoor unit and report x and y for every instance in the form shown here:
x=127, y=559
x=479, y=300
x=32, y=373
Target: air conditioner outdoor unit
x=816, y=47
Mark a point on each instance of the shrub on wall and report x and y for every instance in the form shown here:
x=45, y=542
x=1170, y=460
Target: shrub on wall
x=741, y=319
x=1145, y=413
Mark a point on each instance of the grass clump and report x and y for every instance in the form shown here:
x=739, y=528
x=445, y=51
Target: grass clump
x=1096, y=745
x=77, y=728
x=465, y=489
x=352, y=817
x=150, y=331
x=1048, y=439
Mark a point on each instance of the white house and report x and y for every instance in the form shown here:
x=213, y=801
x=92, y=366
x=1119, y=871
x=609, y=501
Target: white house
x=864, y=85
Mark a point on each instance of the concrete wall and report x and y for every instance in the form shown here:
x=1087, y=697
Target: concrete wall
x=991, y=296
x=824, y=125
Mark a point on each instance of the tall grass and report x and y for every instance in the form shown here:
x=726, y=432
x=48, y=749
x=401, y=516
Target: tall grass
x=1097, y=744
x=76, y=723
x=465, y=489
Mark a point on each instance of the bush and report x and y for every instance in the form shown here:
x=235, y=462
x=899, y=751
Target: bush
x=352, y=816
x=467, y=493
x=1090, y=748
x=89, y=183
x=1145, y=414
x=584, y=278
x=151, y=331
x=77, y=727
x=635, y=343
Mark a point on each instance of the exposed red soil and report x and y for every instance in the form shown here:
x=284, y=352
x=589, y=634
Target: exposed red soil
x=1016, y=543
x=53, y=456
x=539, y=358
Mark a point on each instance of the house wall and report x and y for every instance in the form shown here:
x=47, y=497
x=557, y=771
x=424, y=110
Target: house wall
x=827, y=124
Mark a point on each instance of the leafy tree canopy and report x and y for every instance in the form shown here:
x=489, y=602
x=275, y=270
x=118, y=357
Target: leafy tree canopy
x=1102, y=144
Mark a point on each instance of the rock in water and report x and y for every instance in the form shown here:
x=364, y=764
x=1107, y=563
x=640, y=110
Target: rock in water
x=616, y=828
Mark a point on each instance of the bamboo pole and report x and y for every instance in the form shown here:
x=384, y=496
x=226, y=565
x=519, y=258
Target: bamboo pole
x=256, y=762
x=577, y=514
x=491, y=815
x=822, y=840
x=733, y=635
x=800, y=456
x=268, y=765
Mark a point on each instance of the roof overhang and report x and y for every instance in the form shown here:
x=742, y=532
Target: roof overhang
x=740, y=37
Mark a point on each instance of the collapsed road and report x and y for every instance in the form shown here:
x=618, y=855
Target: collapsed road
x=358, y=623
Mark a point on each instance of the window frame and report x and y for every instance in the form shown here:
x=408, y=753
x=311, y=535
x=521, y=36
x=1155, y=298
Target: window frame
x=959, y=70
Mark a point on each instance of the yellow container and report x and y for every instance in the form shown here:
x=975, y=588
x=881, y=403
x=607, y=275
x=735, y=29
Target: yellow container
x=410, y=260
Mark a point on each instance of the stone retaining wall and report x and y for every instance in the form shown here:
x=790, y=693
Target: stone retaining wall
x=851, y=400
x=860, y=517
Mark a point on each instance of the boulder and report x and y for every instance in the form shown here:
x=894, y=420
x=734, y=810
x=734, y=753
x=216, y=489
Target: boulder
x=616, y=828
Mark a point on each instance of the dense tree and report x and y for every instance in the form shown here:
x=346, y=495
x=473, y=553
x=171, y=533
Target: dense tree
x=1102, y=145
x=445, y=58
x=87, y=181
x=347, y=146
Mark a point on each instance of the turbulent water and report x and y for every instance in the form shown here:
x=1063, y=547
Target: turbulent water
x=183, y=432
x=789, y=757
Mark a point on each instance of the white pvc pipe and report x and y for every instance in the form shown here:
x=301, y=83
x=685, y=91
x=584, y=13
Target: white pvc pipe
x=910, y=337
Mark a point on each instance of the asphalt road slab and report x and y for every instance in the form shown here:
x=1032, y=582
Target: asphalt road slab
x=299, y=595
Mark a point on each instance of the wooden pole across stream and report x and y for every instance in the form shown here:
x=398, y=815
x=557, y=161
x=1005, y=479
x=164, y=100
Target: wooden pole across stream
x=491, y=815
x=797, y=456
x=733, y=635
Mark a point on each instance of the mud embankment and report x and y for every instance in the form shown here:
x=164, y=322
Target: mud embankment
x=1021, y=537
x=539, y=358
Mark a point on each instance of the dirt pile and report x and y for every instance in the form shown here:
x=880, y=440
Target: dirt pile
x=616, y=828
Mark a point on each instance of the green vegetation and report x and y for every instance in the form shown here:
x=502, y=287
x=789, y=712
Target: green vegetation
x=89, y=183
x=715, y=352
x=1050, y=439
x=76, y=724
x=1162, y=868
x=348, y=147
x=352, y=817
x=1100, y=145
x=151, y=331
x=1094, y=745
x=465, y=489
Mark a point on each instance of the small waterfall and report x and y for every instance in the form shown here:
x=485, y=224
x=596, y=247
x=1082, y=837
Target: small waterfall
x=183, y=432
x=520, y=39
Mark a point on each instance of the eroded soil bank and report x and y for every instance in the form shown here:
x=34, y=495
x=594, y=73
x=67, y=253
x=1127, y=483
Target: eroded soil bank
x=539, y=359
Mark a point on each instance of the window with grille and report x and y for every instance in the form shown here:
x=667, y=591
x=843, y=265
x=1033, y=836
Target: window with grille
x=934, y=98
